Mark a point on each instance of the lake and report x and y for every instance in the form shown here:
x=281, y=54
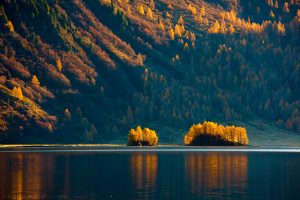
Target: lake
x=149, y=173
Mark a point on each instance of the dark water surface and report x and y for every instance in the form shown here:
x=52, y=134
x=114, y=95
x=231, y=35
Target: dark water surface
x=125, y=173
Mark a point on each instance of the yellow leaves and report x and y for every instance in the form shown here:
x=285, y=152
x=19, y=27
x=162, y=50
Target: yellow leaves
x=10, y=26
x=202, y=11
x=141, y=10
x=139, y=137
x=186, y=46
x=279, y=28
x=180, y=21
x=271, y=14
x=171, y=34
x=214, y=28
x=231, y=29
x=59, y=65
x=168, y=15
x=149, y=13
x=192, y=9
x=227, y=133
x=17, y=92
x=161, y=26
x=35, y=80
x=179, y=30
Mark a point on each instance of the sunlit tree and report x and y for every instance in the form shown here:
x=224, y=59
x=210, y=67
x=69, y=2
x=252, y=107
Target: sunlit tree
x=141, y=10
x=142, y=137
x=10, y=26
x=59, y=65
x=35, y=80
x=17, y=92
x=149, y=13
x=230, y=134
x=171, y=34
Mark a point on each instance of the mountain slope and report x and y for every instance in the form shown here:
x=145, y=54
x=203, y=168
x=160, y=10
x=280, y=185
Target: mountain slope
x=104, y=66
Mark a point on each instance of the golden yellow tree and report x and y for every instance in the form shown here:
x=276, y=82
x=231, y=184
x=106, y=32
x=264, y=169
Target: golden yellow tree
x=141, y=10
x=149, y=13
x=178, y=30
x=186, y=46
x=35, y=80
x=202, y=11
x=180, y=20
x=230, y=134
x=152, y=4
x=17, y=92
x=192, y=9
x=231, y=29
x=139, y=137
x=59, y=65
x=161, y=26
x=215, y=28
x=171, y=34
x=271, y=14
x=168, y=15
x=10, y=26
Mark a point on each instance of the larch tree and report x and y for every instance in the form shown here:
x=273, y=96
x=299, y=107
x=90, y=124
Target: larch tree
x=17, y=92
x=215, y=28
x=141, y=10
x=67, y=115
x=231, y=29
x=149, y=13
x=286, y=7
x=35, y=80
x=10, y=26
x=271, y=14
x=59, y=65
x=152, y=5
x=171, y=34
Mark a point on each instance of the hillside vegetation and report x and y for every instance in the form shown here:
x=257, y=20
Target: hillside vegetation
x=88, y=70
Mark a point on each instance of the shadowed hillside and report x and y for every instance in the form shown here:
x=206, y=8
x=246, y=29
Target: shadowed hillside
x=95, y=68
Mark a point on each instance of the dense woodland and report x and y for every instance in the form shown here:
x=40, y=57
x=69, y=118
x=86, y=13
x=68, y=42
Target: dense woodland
x=88, y=70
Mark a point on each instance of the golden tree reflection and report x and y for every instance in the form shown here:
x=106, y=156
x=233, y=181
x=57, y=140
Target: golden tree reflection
x=26, y=176
x=211, y=171
x=143, y=168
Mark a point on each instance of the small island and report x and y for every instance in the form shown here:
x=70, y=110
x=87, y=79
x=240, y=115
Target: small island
x=213, y=134
x=142, y=137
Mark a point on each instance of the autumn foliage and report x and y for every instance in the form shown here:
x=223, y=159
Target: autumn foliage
x=210, y=133
x=142, y=137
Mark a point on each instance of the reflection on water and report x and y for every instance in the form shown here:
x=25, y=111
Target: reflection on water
x=211, y=172
x=143, y=169
x=149, y=175
x=26, y=176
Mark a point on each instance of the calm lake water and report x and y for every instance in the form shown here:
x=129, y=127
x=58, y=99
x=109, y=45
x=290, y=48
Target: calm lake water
x=124, y=173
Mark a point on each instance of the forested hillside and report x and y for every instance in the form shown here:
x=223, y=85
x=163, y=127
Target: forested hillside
x=86, y=71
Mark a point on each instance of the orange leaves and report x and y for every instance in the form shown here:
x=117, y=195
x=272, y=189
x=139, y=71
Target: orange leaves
x=142, y=137
x=171, y=34
x=59, y=65
x=17, y=92
x=214, y=28
x=35, y=80
x=149, y=13
x=10, y=26
x=227, y=133
x=192, y=9
x=141, y=10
